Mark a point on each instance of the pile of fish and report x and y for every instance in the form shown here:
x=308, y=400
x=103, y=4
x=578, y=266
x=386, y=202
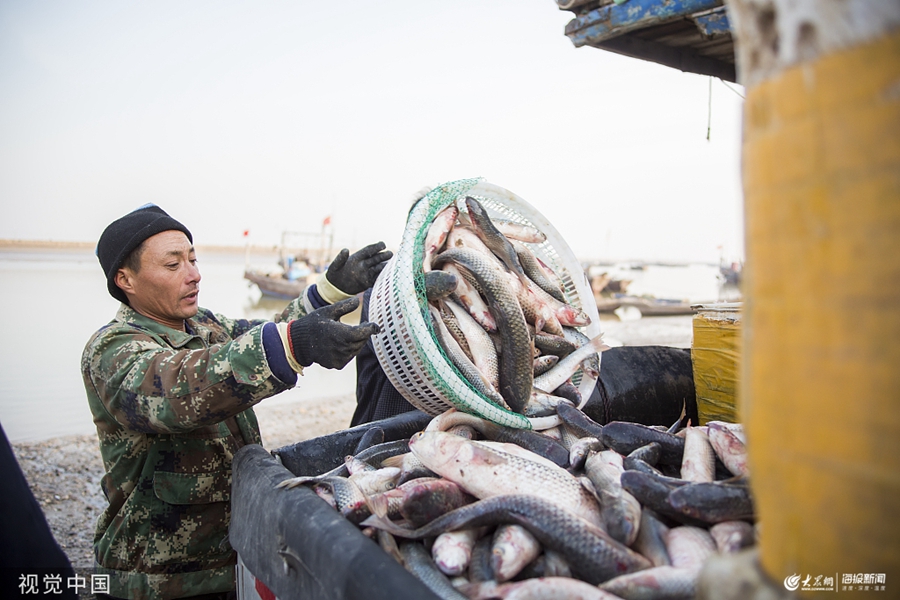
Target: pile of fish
x=500, y=313
x=478, y=510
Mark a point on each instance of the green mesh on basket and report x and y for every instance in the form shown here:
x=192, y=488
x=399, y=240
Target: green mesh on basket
x=409, y=290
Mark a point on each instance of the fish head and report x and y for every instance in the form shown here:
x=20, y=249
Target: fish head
x=477, y=213
x=436, y=449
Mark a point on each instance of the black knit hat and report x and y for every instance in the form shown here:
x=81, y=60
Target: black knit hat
x=123, y=235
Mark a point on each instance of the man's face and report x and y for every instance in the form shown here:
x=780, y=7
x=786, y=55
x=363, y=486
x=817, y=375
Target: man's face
x=166, y=287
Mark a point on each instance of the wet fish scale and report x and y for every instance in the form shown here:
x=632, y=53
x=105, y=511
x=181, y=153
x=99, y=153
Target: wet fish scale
x=713, y=502
x=419, y=563
x=732, y=536
x=624, y=438
x=517, y=349
x=482, y=348
x=452, y=324
x=530, y=440
x=513, y=548
x=689, y=547
x=593, y=555
x=493, y=239
x=535, y=271
x=437, y=234
x=485, y=472
x=699, y=461
x=663, y=582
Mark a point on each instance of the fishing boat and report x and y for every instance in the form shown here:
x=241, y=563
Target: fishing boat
x=275, y=285
x=301, y=256
x=649, y=307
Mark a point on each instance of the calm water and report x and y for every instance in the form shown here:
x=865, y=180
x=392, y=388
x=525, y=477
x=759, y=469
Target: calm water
x=53, y=301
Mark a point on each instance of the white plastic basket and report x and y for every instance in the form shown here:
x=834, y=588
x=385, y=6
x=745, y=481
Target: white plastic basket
x=406, y=347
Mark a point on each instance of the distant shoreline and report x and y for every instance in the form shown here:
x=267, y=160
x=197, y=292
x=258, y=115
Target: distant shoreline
x=8, y=245
x=89, y=246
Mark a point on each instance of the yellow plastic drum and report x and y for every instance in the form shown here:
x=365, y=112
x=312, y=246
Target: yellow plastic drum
x=715, y=354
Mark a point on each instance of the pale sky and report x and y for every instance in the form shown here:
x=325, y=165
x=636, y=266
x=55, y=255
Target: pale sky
x=270, y=116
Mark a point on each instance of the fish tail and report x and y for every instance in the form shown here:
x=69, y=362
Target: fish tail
x=598, y=343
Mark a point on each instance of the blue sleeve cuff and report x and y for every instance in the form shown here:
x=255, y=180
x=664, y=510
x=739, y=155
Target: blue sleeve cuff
x=315, y=299
x=274, y=350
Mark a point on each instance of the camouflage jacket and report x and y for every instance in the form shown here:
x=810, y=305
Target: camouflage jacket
x=171, y=409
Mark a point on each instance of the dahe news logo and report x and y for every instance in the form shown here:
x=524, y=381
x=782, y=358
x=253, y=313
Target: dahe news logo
x=849, y=582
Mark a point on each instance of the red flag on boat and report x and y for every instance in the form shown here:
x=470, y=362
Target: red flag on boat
x=327, y=221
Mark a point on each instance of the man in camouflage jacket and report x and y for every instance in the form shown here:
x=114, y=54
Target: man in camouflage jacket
x=171, y=387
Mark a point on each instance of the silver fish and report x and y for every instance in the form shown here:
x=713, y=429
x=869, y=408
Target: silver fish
x=519, y=231
x=516, y=373
x=419, y=563
x=348, y=499
x=580, y=450
x=541, y=404
x=530, y=440
x=535, y=309
x=484, y=356
x=453, y=327
x=439, y=284
x=542, y=364
x=373, y=455
x=735, y=428
x=480, y=564
x=452, y=550
x=517, y=450
x=486, y=472
x=437, y=234
x=732, y=536
x=699, y=461
x=355, y=465
x=651, y=539
x=493, y=239
x=689, y=547
x=660, y=583
x=570, y=392
x=469, y=298
x=513, y=547
x=542, y=588
x=566, y=314
x=377, y=481
x=592, y=554
x=555, y=344
x=389, y=544
x=729, y=448
x=619, y=510
x=465, y=237
x=468, y=369
x=462, y=430
x=591, y=364
x=410, y=467
x=535, y=271
x=564, y=369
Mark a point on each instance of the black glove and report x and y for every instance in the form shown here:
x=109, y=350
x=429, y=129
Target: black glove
x=321, y=338
x=357, y=272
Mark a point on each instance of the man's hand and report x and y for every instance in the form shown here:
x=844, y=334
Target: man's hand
x=321, y=338
x=357, y=272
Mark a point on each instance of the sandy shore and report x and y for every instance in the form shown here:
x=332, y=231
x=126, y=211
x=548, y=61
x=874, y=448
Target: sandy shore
x=64, y=473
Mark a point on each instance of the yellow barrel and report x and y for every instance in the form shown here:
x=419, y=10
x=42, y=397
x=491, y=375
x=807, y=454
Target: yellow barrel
x=715, y=354
x=820, y=388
